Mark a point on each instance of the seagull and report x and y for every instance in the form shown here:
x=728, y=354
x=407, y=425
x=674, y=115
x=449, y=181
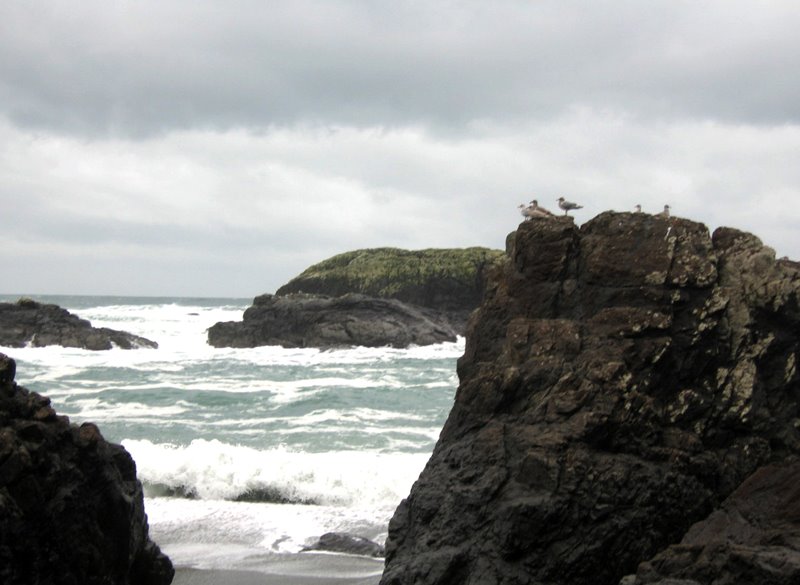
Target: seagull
x=527, y=211
x=665, y=213
x=541, y=211
x=567, y=205
x=534, y=211
x=637, y=208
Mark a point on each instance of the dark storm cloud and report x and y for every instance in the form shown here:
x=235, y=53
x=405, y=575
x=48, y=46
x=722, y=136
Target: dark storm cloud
x=143, y=68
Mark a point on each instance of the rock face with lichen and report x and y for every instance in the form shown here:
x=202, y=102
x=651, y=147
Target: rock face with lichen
x=373, y=297
x=28, y=322
x=71, y=508
x=619, y=382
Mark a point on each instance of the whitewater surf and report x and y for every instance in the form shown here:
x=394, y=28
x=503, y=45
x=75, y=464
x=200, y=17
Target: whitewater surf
x=248, y=455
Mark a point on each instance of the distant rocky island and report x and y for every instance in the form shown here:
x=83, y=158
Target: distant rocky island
x=628, y=413
x=28, y=322
x=71, y=507
x=371, y=297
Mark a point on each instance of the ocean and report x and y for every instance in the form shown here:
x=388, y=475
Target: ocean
x=248, y=455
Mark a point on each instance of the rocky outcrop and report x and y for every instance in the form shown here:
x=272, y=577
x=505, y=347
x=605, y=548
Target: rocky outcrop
x=71, y=508
x=325, y=322
x=619, y=382
x=753, y=538
x=28, y=322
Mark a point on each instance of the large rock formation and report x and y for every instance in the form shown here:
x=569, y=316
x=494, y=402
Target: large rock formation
x=619, y=382
x=298, y=320
x=71, y=508
x=374, y=297
x=28, y=322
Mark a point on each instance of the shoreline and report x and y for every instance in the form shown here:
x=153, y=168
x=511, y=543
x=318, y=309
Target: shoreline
x=186, y=576
x=290, y=569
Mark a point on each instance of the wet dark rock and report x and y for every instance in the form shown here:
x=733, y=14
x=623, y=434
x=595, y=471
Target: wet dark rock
x=28, y=322
x=343, y=542
x=754, y=537
x=619, y=382
x=71, y=507
x=300, y=320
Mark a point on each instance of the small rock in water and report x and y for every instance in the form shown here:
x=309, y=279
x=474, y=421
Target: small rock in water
x=343, y=542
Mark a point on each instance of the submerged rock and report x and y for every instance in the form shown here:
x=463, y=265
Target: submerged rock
x=71, y=508
x=343, y=542
x=619, y=382
x=28, y=322
x=311, y=321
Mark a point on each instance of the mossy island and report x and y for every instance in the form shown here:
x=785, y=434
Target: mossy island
x=371, y=297
x=449, y=279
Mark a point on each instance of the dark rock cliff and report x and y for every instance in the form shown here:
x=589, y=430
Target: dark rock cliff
x=38, y=324
x=312, y=321
x=619, y=382
x=71, y=508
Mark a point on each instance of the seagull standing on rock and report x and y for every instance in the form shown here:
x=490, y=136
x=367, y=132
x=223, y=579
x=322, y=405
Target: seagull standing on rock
x=567, y=205
x=533, y=210
x=526, y=211
x=665, y=213
x=540, y=211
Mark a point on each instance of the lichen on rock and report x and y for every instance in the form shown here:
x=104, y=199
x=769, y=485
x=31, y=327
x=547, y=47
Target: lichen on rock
x=619, y=382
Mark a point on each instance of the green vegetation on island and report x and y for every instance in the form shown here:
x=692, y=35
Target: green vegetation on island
x=442, y=278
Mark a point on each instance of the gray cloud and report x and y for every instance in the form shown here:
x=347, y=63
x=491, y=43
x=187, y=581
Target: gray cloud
x=136, y=69
x=218, y=148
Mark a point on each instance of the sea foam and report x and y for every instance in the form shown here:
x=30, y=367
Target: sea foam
x=213, y=470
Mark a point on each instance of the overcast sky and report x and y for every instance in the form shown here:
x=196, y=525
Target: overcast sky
x=195, y=148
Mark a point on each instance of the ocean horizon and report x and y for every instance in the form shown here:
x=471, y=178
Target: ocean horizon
x=248, y=455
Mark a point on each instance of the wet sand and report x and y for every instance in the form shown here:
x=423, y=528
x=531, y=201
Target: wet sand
x=220, y=577
x=296, y=569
